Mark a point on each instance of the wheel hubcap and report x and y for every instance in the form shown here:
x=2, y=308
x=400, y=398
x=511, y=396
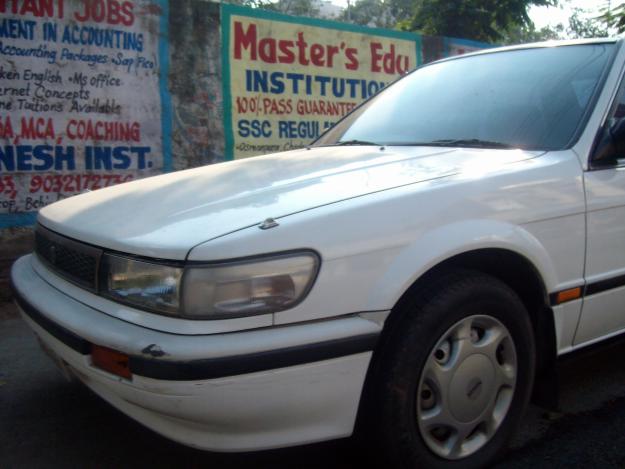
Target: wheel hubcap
x=466, y=387
x=469, y=389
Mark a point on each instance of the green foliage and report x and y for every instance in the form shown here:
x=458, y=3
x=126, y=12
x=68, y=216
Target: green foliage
x=481, y=20
x=526, y=34
x=495, y=21
x=401, y=10
x=614, y=18
x=252, y=3
x=296, y=7
x=289, y=7
x=369, y=13
x=580, y=27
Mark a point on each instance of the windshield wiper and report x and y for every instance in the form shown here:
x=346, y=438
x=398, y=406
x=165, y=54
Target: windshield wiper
x=358, y=142
x=449, y=142
x=471, y=142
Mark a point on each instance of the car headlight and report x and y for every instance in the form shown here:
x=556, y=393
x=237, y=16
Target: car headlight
x=264, y=285
x=143, y=284
x=211, y=291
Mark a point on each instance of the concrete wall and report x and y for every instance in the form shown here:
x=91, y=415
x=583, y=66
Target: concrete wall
x=195, y=84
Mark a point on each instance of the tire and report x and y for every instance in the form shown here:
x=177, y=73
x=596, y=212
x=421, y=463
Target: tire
x=454, y=374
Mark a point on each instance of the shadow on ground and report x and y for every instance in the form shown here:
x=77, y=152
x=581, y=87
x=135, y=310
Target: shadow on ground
x=48, y=422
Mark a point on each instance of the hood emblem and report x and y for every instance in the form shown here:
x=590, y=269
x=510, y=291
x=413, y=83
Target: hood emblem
x=268, y=223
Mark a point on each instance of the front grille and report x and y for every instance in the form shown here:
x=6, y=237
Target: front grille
x=77, y=262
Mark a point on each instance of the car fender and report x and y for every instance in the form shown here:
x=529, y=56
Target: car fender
x=445, y=242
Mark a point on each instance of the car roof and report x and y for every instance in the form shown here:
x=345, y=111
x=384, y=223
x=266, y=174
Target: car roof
x=533, y=45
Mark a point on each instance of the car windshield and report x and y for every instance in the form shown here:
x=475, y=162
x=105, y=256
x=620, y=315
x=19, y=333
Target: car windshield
x=533, y=99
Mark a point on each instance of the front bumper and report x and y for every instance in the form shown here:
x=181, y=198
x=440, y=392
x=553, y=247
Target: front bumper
x=251, y=390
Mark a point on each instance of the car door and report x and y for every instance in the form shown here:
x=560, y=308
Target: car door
x=603, y=311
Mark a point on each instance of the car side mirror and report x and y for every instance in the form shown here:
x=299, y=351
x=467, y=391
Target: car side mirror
x=611, y=144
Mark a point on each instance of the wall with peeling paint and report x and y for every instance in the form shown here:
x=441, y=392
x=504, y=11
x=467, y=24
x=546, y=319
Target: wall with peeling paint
x=195, y=84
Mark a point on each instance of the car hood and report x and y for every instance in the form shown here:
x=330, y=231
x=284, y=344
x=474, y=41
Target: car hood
x=165, y=216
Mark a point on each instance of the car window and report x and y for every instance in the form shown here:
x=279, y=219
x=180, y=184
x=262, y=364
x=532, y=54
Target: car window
x=529, y=98
x=618, y=107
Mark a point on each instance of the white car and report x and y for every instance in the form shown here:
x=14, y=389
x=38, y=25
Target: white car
x=419, y=268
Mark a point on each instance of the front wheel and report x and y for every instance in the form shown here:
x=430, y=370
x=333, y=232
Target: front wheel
x=455, y=373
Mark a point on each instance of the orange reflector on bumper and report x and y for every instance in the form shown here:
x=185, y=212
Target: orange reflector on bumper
x=111, y=360
x=568, y=295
